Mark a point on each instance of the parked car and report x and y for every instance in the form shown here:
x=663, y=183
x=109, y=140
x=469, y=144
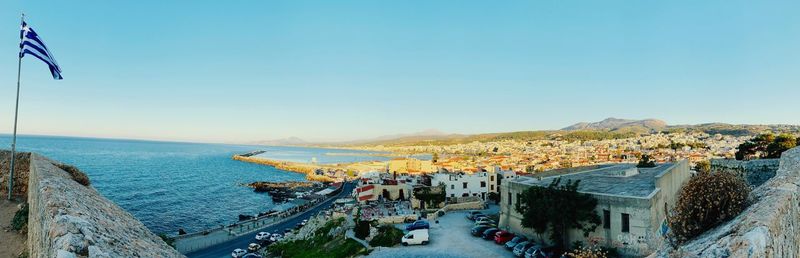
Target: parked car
x=261, y=236
x=415, y=237
x=534, y=252
x=275, y=237
x=502, y=236
x=287, y=230
x=471, y=215
x=304, y=222
x=252, y=255
x=238, y=253
x=486, y=223
x=489, y=233
x=519, y=249
x=419, y=224
x=481, y=219
x=478, y=230
x=516, y=240
x=253, y=247
x=477, y=216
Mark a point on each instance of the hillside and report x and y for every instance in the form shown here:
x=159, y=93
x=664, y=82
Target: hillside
x=611, y=128
x=621, y=125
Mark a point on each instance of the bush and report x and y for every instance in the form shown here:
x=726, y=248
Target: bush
x=586, y=252
x=707, y=200
x=362, y=229
x=20, y=219
x=76, y=174
x=387, y=236
x=167, y=239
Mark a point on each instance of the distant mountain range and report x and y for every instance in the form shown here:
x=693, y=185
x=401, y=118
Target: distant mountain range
x=291, y=141
x=609, y=128
x=409, y=137
x=615, y=124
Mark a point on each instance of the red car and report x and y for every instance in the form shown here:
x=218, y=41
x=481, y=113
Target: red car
x=502, y=236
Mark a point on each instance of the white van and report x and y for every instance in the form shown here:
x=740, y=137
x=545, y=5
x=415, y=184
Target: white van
x=415, y=237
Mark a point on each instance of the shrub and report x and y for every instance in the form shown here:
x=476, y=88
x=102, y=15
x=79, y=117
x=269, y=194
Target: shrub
x=646, y=162
x=707, y=200
x=76, y=174
x=387, y=236
x=587, y=252
x=167, y=239
x=362, y=229
x=20, y=219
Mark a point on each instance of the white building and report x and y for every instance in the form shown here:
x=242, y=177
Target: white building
x=463, y=185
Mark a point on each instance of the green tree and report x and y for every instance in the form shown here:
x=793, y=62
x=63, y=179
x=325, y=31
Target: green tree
x=566, y=209
x=703, y=166
x=646, y=162
x=755, y=147
x=781, y=143
x=431, y=198
x=766, y=146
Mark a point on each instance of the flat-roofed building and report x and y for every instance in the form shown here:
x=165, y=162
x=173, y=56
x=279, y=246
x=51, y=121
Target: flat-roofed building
x=632, y=204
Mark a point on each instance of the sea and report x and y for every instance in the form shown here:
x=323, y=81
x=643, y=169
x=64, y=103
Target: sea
x=174, y=185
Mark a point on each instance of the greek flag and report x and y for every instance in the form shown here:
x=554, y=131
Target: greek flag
x=32, y=44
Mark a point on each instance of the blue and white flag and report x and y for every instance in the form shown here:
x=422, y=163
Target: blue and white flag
x=32, y=44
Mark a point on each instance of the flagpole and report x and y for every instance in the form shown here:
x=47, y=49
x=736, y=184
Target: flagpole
x=16, y=113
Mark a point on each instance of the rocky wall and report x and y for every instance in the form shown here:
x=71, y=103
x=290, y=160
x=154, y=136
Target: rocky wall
x=68, y=219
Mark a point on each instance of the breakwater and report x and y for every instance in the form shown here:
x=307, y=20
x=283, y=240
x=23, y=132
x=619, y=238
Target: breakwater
x=303, y=168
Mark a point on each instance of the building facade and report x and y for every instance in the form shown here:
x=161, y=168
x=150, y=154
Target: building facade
x=632, y=204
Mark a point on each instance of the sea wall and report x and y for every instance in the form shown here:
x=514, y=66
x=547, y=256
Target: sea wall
x=770, y=227
x=68, y=219
x=755, y=172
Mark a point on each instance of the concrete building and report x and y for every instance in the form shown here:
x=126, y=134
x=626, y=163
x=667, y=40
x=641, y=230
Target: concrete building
x=388, y=190
x=632, y=204
x=410, y=166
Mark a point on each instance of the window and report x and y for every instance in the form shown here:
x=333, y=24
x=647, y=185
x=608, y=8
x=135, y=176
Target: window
x=509, y=198
x=452, y=195
x=452, y=186
x=465, y=185
x=491, y=178
x=483, y=183
x=606, y=219
x=626, y=223
x=492, y=187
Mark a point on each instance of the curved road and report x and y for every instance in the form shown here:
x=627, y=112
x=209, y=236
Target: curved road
x=224, y=249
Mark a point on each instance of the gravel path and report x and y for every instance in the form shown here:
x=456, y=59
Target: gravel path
x=12, y=243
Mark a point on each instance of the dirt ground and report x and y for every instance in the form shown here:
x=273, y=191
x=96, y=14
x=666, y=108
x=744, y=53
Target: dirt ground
x=13, y=242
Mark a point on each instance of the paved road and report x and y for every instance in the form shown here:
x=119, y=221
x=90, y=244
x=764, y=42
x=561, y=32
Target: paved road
x=224, y=249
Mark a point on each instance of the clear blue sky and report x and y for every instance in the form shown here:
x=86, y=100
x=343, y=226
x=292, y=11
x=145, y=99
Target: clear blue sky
x=332, y=70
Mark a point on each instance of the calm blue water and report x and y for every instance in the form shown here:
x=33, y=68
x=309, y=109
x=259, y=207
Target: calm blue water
x=325, y=156
x=171, y=185
x=299, y=154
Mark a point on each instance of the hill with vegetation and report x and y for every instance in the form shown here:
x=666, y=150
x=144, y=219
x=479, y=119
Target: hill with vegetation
x=611, y=128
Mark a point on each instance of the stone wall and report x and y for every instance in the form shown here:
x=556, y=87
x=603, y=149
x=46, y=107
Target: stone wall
x=67, y=219
x=754, y=172
x=770, y=227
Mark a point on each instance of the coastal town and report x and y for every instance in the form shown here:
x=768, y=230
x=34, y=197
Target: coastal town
x=400, y=129
x=526, y=157
x=469, y=193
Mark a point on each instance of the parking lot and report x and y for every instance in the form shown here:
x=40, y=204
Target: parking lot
x=449, y=238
